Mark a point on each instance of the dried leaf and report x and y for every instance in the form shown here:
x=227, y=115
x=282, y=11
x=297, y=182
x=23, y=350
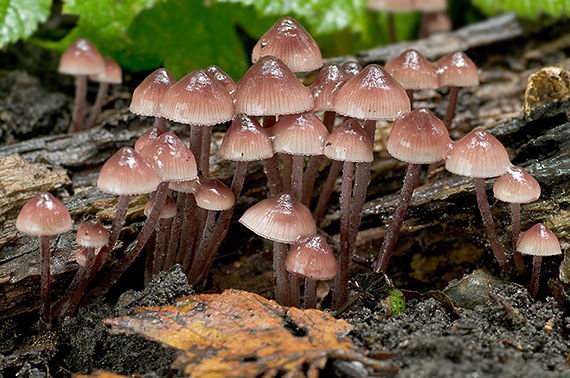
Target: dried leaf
x=240, y=334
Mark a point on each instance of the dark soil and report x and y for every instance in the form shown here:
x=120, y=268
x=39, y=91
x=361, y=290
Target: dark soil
x=504, y=334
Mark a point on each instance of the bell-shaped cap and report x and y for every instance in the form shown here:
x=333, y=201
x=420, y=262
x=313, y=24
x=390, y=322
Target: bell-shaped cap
x=299, y=134
x=290, y=42
x=413, y=71
x=349, y=142
x=112, y=73
x=419, y=137
x=281, y=219
x=170, y=158
x=198, y=99
x=223, y=78
x=43, y=215
x=148, y=96
x=478, y=154
x=516, y=185
x=373, y=94
x=539, y=241
x=246, y=140
x=325, y=87
x=92, y=234
x=127, y=173
x=168, y=211
x=269, y=87
x=457, y=70
x=151, y=134
x=313, y=258
x=81, y=58
x=211, y=194
x=432, y=6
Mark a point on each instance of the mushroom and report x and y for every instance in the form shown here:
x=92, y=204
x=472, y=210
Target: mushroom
x=538, y=241
x=417, y=137
x=281, y=219
x=81, y=59
x=112, y=75
x=480, y=155
x=312, y=258
x=43, y=216
x=516, y=186
x=148, y=96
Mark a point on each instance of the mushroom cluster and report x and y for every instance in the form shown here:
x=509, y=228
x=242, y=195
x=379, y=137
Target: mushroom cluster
x=275, y=119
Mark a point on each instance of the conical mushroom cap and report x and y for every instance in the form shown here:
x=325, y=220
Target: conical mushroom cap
x=349, y=142
x=372, y=94
x=81, y=58
x=269, y=87
x=413, y=71
x=148, y=96
x=539, y=241
x=43, y=215
x=246, y=140
x=281, y=219
x=516, y=185
x=171, y=158
x=299, y=134
x=127, y=173
x=419, y=137
x=92, y=234
x=313, y=258
x=198, y=99
x=478, y=154
x=290, y=42
x=330, y=79
x=456, y=69
x=213, y=195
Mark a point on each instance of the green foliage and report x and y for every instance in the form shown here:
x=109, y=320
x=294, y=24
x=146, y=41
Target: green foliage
x=397, y=301
x=20, y=18
x=525, y=8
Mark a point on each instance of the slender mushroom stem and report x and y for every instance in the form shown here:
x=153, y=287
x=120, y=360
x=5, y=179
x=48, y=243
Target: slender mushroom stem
x=45, y=283
x=516, y=230
x=310, y=294
x=294, y=291
x=280, y=277
x=453, y=92
x=310, y=178
x=326, y=192
x=160, y=124
x=297, y=176
x=287, y=171
x=387, y=248
x=222, y=225
x=274, y=181
x=196, y=141
x=163, y=230
x=328, y=120
x=119, y=221
x=205, y=157
x=98, y=105
x=391, y=28
x=536, y=267
x=489, y=224
x=341, y=280
x=201, y=255
x=134, y=249
x=175, y=231
x=79, y=107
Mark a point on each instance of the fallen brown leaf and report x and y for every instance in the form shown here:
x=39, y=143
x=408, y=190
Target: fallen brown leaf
x=99, y=374
x=241, y=334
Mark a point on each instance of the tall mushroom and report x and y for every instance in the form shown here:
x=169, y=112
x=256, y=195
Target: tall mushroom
x=480, y=155
x=112, y=75
x=43, y=216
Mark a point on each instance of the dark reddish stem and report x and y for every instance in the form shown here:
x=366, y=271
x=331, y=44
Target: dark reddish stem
x=286, y=173
x=489, y=224
x=310, y=178
x=536, y=267
x=160, y=124
x=205, y=157
x=201, y=255
x=79, y=107
x=341, y=281
x=98, y=105
x=387, y=248
x=391, y=28
x=326, y=192
x=135, y=248
x=196, y=141
x=297, y=176
x=294, y=289
x=222, y=225
x=310, y=294
x=274, y=181
x=328, y=120
x=161, y=247
x=516, y=229
x=175, y=231
x=45, y=283
x=453, y=92
x=119, y=221
x=280, y=274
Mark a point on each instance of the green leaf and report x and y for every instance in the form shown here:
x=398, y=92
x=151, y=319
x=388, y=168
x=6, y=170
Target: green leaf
x=525, y=8
x=184, y=35
x=20, y=18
